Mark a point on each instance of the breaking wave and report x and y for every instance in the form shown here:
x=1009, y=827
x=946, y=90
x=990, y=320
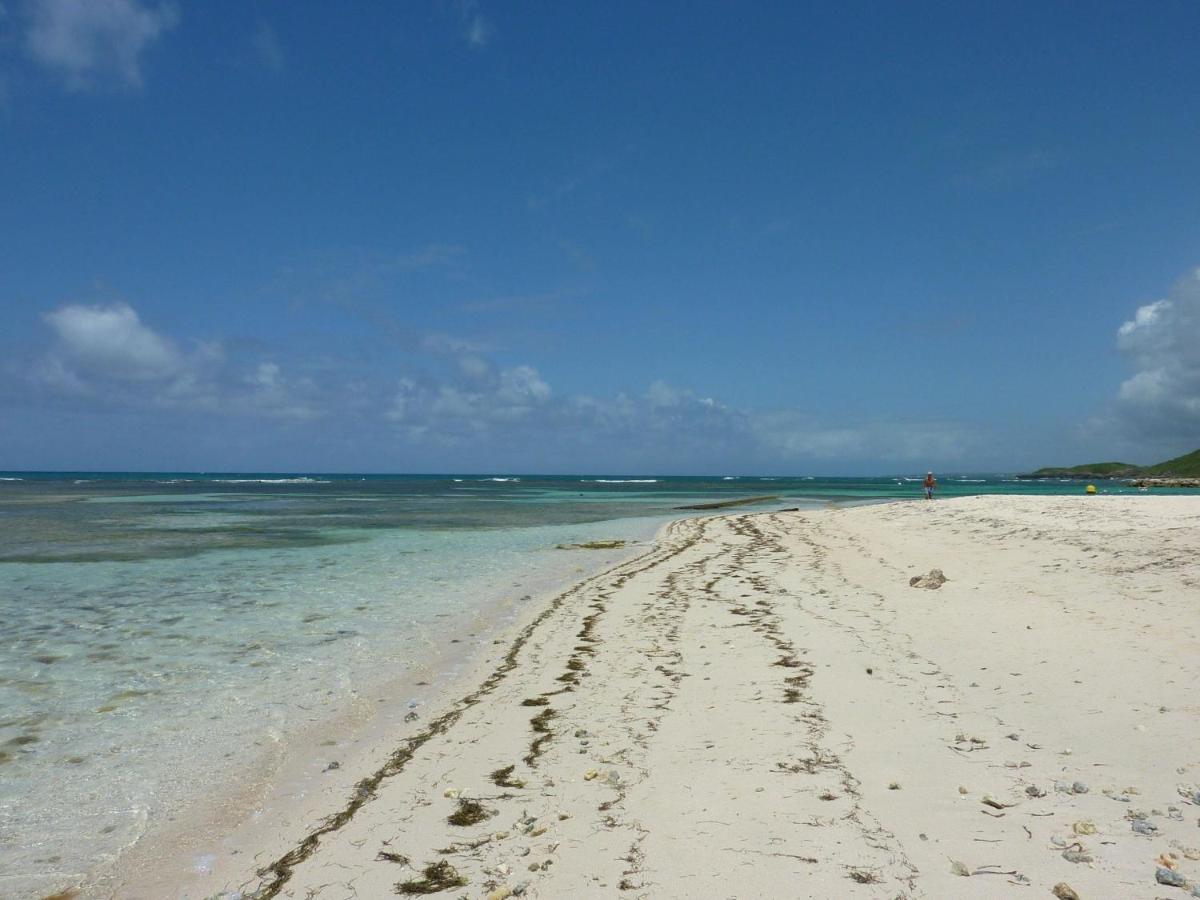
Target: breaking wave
x=618, y=481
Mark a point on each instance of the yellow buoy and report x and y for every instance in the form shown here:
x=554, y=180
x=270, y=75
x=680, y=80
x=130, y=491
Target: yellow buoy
x=1091, y=489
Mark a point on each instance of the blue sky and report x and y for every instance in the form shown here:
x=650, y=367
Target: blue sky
x=617, y=237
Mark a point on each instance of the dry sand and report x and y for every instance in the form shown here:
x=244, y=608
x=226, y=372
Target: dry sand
x=762, y=706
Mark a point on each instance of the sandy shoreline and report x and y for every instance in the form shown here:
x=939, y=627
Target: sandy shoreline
x=270, y=803
x=762, y=706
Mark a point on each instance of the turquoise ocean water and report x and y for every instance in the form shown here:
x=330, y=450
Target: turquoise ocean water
x=161, y=631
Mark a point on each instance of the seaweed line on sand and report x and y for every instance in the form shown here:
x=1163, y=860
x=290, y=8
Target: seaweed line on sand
x=280, y=871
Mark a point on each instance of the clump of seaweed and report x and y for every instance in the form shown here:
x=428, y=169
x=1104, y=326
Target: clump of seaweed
x=864, y=876
x=536, y=701
x=593, y=545
x=791, y=695
x=389, y=856
x=469, y=812
x=503, y=778
x=438, y=876
x=541, y=726
x=541, y=722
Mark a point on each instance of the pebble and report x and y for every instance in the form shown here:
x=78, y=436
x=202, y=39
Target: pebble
x=1141, y=826
x=522, y=851
x=1034, y=791
x=452, y=793
x=501, y=893
x=1062, y=787
x=520, y=888
x=1084, y=827
x=1079, y=787
x=333, y=765
x=1077, y=856
x=1163, y=875
x=1064, y=891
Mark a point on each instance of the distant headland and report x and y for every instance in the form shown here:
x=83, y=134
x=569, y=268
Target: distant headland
x=1182, y=471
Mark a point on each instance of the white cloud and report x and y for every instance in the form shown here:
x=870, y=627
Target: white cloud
x=87, y=40
x=112, y=342
x=1161, y=400
x=107, y=355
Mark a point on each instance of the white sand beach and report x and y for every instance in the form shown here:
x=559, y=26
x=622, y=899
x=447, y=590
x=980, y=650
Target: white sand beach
x=762, y=706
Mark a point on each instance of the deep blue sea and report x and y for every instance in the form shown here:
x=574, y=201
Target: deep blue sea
x=162, y=631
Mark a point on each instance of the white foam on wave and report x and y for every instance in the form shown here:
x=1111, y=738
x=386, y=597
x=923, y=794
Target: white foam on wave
x=618, y=481
x=12, y=479
x=304, y=480
x=730, y=478
x=970, y=480
x=498, y=479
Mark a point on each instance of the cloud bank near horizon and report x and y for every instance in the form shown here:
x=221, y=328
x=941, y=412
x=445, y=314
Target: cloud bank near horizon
x=439, y=397
x=442, y=398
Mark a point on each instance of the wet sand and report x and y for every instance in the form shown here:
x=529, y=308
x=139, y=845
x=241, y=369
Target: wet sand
x=763, y=706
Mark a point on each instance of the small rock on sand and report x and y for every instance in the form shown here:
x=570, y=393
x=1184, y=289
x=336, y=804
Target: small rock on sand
x=934, y=580
x=1064, y=891
x=1166, y=876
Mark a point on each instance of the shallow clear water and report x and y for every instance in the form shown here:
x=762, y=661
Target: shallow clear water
x=162, y=631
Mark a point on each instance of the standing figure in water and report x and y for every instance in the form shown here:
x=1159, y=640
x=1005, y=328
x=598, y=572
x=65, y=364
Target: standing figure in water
x=930, y=484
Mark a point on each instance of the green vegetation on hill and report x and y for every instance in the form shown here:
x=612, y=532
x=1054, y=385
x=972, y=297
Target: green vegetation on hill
x=1090, y=470
x=1186, y=466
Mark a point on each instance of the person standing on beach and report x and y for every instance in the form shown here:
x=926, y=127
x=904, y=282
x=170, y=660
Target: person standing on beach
x=930, y=484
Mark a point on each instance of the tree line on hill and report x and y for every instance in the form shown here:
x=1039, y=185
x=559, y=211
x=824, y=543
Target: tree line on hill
x=1186, y=466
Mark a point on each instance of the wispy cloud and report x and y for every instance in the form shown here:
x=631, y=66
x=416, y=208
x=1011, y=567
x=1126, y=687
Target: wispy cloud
x=268, y=49
x=88, y=42
x=1007, y=170
x=477, y=28
x=555, y=191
